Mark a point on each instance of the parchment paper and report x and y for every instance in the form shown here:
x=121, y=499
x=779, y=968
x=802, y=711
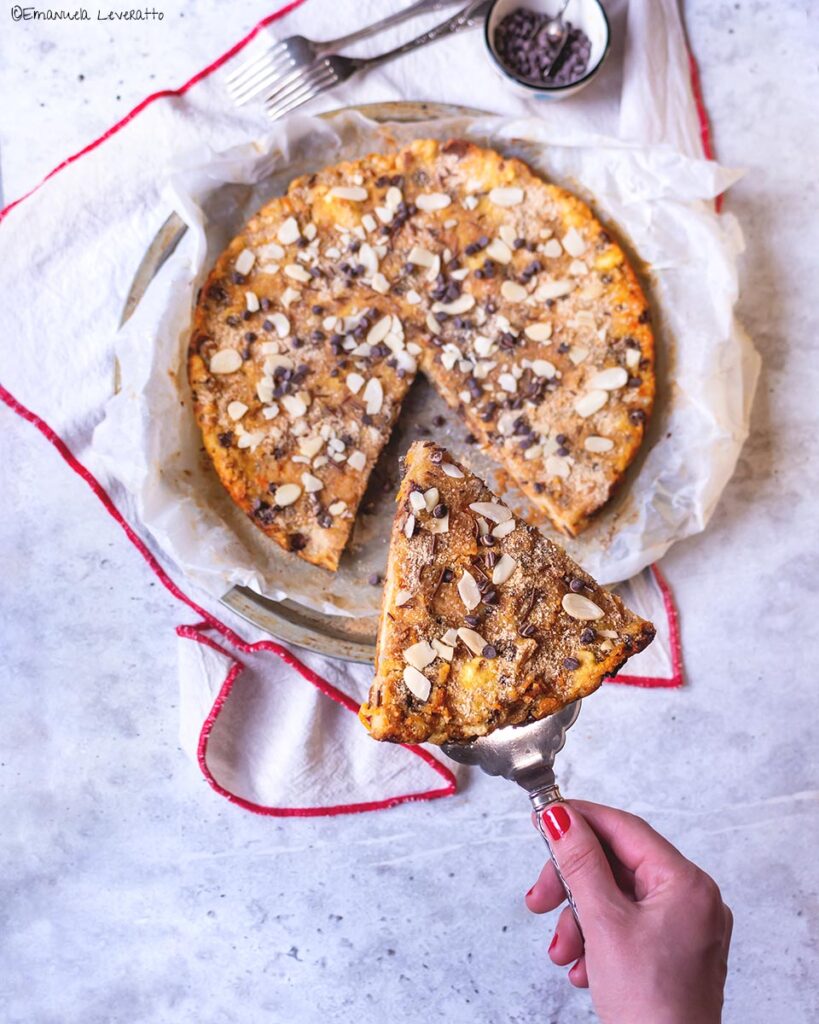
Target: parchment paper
x=659, y=203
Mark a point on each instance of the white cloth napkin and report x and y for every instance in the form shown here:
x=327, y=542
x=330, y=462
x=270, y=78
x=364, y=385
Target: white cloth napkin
x=68, y=254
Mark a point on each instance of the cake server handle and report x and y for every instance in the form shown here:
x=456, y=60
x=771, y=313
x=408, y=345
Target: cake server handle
x=541, y=799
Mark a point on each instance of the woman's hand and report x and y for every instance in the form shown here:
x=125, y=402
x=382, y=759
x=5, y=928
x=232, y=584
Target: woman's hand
x=655, y=930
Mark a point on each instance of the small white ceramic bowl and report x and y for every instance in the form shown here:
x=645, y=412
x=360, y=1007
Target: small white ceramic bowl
x=587, y=15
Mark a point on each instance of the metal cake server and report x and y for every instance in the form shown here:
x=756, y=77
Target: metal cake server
x=525, y=754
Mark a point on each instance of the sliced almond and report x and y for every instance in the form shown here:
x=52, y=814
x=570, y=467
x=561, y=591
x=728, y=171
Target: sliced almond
x=578, y=354
x=499, y=251
x=452, y=471
x=417, y=502
x=419, y=655
x=369, y=222
x=508, y=383
x=431, y=201
x=264, y=390
x=312, y=484
x=353, y=193
x=409, y=527
x=574, y=243
x=506, y=197
x=311, y=446
x=355, y=382
x=443, y=650
x=421, y=257
x=552, y=248
x=439, y=525
x=553, y=290
x=294, y=405
x=432, y=324
x=236, y=410
x=610, y=379
x=474, y=641
x=557, y=466
x=462, y=304
x=394, y=197
x=244, y=261
x=504, y=567
x=580, y=607
x=417, y=683
x=539, y=332
x=633, y=357
x=431, y=498
x=289, y=296
x=357, y=460
x=543, y=368
x=450, y=638
x=374, y=396
x=504, y=529
x=226, y=360
x=337, y=508
x=468, y=591
x=590, y=403
x=491, y=510
x=288, y=232
x=513, y=292
x=598, y=444
x=252, y=302
x=281, y=324
x=380, y=284
x=287, y=494
x=401, y=599
x=297, y=273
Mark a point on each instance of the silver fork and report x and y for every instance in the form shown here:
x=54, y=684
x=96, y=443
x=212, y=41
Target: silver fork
x=305, y=84
x=259, y=72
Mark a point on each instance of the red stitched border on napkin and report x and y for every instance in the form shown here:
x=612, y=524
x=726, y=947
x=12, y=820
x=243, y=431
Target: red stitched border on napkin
x=330, y=691
x=345, y=700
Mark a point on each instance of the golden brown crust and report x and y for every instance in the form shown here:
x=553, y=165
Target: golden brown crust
x=533, y=654
x=528, y=258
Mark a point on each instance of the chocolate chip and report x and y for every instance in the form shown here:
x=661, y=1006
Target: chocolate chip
x=374, y=580
x=571, y=664
x=587, y=635
x=488, y=540
x=226, y=439
x=637, y=416
x=527, y=630
x=490, y=597
x=472, y=620
x=577, y=586
x=490, y=651
x=447, y=576
x=325, y=521
x=440, y=510
x=297, y=541
x=644, y=317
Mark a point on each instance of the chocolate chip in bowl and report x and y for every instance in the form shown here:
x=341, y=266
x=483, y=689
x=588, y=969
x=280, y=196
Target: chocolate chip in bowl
x=528, y=55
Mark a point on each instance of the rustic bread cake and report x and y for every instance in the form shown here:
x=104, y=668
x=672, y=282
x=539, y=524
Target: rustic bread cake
x=505, y=290
x=485, y=622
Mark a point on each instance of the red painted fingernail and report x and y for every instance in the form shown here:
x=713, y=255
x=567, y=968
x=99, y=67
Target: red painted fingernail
x=528, y=894
x=557, y=820
x=553, y=943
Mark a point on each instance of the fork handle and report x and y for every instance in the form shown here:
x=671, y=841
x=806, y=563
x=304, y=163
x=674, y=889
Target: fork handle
x=541, y=799
x=420, y=7
x=463, y=19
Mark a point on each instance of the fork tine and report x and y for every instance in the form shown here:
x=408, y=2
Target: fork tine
x=316, y=80
x=264, y=77
x=248, y=66
x=310, y=92
x=294, y=78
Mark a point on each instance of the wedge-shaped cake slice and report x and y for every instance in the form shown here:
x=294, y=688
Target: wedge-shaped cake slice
x=485, y=622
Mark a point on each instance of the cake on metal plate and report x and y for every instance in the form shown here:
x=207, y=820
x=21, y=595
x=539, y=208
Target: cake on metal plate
x=485, y=622
x=504, y=290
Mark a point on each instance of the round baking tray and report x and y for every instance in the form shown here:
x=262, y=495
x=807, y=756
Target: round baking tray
x=336, y=636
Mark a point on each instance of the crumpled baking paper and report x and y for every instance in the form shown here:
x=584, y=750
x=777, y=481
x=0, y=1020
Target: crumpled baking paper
x=657, y=200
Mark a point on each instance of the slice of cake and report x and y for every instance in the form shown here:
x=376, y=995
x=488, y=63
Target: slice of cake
x=485, y=622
